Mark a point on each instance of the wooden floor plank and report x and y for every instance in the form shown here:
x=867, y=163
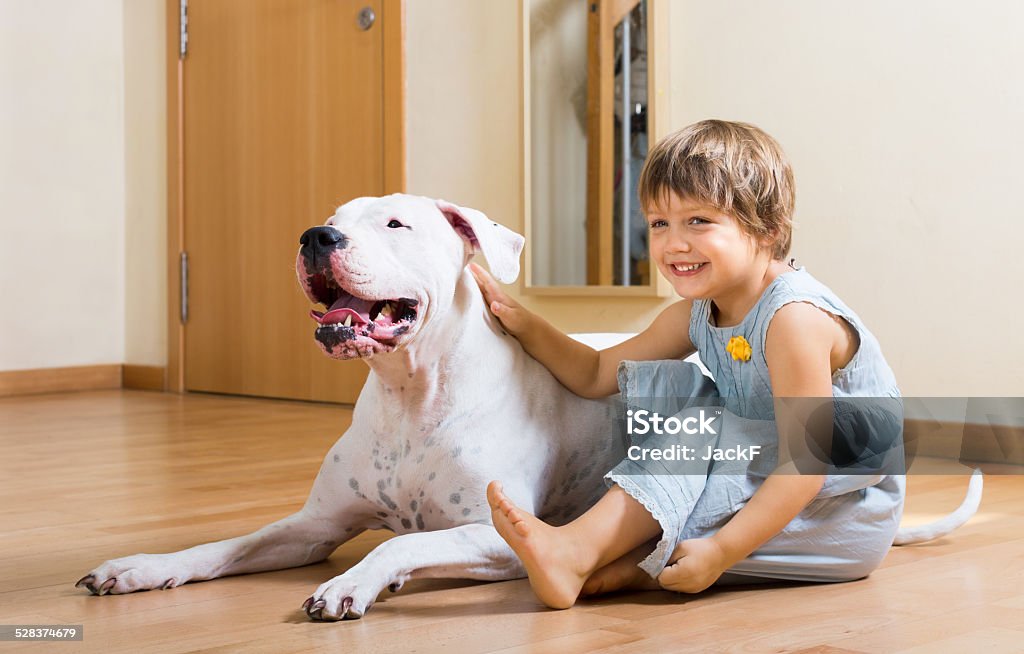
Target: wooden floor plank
x=96, y=475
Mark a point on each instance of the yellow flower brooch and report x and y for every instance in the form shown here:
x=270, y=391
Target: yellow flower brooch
x=739, y=348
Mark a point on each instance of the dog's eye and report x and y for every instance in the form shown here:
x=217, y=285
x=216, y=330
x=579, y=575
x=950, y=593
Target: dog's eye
x=394, y=224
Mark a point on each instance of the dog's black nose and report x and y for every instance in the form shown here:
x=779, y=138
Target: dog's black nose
x=321, y=241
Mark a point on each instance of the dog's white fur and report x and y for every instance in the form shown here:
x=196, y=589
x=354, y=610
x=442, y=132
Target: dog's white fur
x=943, y=526
x=452, y=404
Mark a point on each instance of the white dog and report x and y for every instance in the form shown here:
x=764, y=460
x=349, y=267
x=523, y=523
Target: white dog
x=451, y=403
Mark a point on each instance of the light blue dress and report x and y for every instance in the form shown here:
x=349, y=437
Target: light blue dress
x=846, y=531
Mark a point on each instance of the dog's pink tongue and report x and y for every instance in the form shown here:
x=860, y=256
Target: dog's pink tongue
x=336, y=316
x=345, y=307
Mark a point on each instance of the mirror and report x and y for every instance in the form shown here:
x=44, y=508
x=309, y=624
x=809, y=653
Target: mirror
x=587, y=118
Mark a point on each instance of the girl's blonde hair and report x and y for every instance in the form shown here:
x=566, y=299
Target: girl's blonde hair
x=734, y=167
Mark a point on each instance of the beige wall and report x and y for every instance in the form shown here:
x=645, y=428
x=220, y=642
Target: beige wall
x=902, y=121
x=145, y=125
x=62, y=184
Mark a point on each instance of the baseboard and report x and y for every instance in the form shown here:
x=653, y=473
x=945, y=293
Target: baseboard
x=143, y=378
x=58, y=380
x=81, y=378
x=970, y=442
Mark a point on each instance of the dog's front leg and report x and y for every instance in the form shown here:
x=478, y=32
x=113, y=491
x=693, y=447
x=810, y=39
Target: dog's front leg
x=473, y=551
x=301, y=538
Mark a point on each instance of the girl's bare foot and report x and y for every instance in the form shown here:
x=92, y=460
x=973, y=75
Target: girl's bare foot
x=551, y=555
x=623, y=574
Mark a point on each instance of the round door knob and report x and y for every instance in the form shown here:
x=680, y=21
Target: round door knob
x=366, y=18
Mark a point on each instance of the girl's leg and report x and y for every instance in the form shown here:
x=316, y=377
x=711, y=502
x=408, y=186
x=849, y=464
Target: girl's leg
x=559, y=560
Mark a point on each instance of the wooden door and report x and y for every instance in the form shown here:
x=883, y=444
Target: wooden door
x=283, y=109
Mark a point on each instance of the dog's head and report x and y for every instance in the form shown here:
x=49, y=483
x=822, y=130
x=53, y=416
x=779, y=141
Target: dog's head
x=382, y=267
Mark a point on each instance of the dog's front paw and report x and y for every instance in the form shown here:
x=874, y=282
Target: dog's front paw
x=132, y=573
x=346, y=597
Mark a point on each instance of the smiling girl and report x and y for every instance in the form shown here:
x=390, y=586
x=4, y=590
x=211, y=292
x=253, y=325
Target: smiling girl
x=719, y=200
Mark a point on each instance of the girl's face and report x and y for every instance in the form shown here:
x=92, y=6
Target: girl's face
x=701, y=251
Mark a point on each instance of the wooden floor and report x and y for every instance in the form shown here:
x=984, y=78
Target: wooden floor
x=90, y=476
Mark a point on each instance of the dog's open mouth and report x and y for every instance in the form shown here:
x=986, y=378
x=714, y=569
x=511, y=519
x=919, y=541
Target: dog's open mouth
x=349, y=316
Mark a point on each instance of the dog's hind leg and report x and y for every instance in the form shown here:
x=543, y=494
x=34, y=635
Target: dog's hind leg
x=473, y=551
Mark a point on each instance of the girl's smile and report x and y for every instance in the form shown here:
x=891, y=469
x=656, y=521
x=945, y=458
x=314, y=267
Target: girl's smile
x=687, y=270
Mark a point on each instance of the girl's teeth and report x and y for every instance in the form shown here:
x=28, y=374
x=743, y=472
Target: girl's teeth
x=687, y=268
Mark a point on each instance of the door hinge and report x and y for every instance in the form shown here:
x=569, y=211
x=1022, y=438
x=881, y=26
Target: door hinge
x=184, y=287
x=183, y=28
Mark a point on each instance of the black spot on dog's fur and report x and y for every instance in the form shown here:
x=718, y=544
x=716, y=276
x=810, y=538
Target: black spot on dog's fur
x=388, y=502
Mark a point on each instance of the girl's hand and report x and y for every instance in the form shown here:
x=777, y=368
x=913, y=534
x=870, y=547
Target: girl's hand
x=513, y=317
x=695, y=564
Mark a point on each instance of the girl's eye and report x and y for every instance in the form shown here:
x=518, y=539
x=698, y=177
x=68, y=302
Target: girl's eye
x=394, y=224
x=697, y=220
x=658, y=223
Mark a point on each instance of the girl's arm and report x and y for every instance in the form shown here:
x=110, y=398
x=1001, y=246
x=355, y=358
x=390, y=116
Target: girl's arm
x=580, y=368
x=799, y=343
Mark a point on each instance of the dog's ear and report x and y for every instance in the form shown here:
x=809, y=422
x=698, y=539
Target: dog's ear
x=499, y=245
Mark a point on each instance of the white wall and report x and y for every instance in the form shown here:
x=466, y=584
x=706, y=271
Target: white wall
x=145, y=127
x=62, y=183
x=903, y=123
x=462, y=104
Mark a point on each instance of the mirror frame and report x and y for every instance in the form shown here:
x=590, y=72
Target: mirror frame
x=658, y=108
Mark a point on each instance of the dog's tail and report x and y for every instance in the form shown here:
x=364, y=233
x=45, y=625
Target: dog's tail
x=941, y=527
